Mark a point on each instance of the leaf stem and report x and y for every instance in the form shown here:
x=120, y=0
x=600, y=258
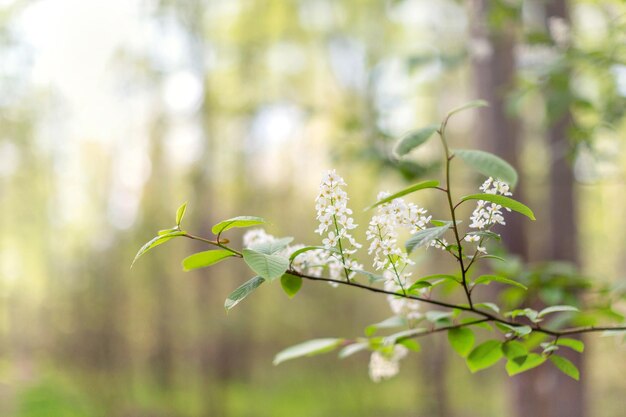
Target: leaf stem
x=214, y=243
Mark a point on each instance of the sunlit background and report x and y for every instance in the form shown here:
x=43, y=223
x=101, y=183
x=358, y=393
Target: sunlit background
x=114, y=113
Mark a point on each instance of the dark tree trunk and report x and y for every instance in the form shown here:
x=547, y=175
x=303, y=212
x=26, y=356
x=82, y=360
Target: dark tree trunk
x=494, y=77
x=543, y=392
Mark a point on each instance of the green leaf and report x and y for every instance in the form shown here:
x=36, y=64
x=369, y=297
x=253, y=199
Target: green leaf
x=461, y=340
x=504, y=202
x=489, y=165
x=269, y=267
x=556, y=309
x=435, y=315
x=206, y=258
x=411, y=344
x=242, y=292
x=352, y=349
x=486, y=279
x=416, y=287
x=490, y=306
x=441, y=277
x=524, y=363
x=310, y=348
x=527, y=312
x=521, y=330
x=300, y=251
x=240, y=221
x=391, y=322
x=499, y=258
x=565, y=366
x=471, y=105
x=272, y=247
x=513, y=349
x=403, y=335
x=424, y=237
x=414, y=139
x=154, y=242
x=291, y=284
x=486, y=234
x=574, y=344
x=484, y=355
x=409, y=190
x=180, y=213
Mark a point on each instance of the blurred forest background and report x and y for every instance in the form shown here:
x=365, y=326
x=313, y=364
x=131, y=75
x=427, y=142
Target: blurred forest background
x=114, y=113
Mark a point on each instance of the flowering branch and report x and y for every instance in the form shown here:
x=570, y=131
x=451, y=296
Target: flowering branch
x=488, y=317
x=334, y=262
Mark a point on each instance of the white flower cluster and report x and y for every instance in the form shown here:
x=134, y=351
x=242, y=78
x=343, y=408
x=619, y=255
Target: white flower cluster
x=439, y=243
x=400, y=306
x=256, y=236
x=487, y=214
x=335, y=222
x=383, y=231
x=384, y=367
x=388, y=256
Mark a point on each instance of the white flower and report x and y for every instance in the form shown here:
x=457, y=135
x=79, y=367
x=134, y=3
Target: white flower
x=256, y=236
x=331, y=241
x=401, y=306
x=439, y=243
x=335, y=222
x=488, y=214
x=310, y=262
x=383, y=231
x=384, y=367
x=471, y=238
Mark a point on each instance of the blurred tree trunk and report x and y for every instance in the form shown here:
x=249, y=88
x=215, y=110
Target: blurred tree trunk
x=546, y=392
x=543, y=392
x=493, y=64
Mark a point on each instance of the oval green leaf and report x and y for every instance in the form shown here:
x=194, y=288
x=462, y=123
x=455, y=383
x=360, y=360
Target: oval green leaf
x=416, y=187
x=206, y=258
x=504, y=202
x=461, y=340
x=154, y=242
x=524, y=363
x=180, y=213
x=352, y=349
x=565, y=366
x=300, y=251
x=242, y=292
x=574, y=344
x=310, y=348
x=513, y=349
x=291, y=284
x=413, y=140
x=424, y=237
x=557, y=309
x=486, y=279
x=240, y=221
x=484, y=355
x=269, y=267
x=489, y=165
x=471, y=105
